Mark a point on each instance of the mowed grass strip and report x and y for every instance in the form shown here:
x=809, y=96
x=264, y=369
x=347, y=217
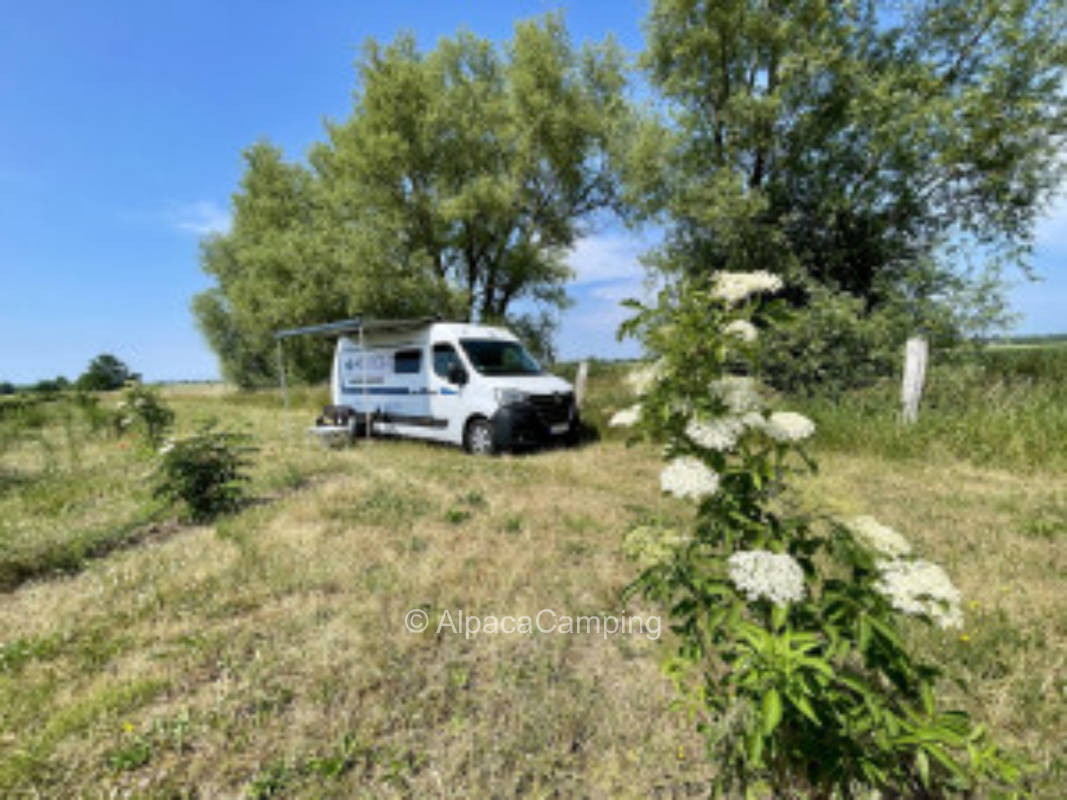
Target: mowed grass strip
x=277, y=646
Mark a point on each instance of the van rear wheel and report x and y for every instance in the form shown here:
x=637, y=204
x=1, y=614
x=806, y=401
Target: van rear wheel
x=478, y=438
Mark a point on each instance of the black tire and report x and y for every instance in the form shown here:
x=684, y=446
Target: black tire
x=478, y=438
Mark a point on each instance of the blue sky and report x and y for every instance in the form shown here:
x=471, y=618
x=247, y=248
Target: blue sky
x=121, y=127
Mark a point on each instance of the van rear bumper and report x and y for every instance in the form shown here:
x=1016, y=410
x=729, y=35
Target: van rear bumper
x=520, y=424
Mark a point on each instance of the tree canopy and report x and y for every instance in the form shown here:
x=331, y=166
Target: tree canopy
x=886, y=157
x=858, y=145
x=455, y=187
x=104, y=373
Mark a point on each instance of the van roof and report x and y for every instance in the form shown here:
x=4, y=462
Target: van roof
x=466, y=330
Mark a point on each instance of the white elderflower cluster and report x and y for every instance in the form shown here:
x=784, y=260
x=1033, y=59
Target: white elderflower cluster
x=626, y=418
x=753, y=419
x=920, y=587
x=688, y=476
x=761, y=573
x=742, y=329
x=739, y=393
x=880, y=538
x=715, y=434
x=642, y=379
x=788, y=426
x=733, y=287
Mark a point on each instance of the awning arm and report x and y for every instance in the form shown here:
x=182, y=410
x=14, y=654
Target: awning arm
x=285, y=386
x=341, y=326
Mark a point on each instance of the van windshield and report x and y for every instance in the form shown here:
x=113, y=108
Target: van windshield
x=499, y=357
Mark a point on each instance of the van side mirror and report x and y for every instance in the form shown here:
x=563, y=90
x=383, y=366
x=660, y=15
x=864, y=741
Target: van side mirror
x=456, y=374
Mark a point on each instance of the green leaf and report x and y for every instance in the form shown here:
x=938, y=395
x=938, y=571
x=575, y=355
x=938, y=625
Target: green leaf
x=801, y=704
x=949, y=763
x=864, y=634
x=770, y=711
x=922, y=764
x=885, y=631
x=779, y=615
x=754, y=748
x=927, y=695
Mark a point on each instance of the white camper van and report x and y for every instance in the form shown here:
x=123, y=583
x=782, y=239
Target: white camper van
x=466, y=384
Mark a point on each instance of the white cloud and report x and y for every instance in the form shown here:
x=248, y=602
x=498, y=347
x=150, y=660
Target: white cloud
x=607, y=271
x=607, y=257
x=589, y=328
x=201, y=218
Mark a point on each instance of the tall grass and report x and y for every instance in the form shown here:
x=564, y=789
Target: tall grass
x=1003, y=406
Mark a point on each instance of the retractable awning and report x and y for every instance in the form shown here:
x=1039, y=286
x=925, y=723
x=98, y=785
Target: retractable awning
x=355, y=325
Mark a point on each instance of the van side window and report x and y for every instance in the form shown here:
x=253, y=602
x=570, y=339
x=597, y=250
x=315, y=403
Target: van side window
x=407, y=362
x=444, y=356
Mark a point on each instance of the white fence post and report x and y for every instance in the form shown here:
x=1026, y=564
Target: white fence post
x=579, y=383
x=911, y=389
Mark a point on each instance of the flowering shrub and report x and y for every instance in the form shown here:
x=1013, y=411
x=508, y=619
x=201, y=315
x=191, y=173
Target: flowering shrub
x=141, y=408
x=205, y=471
x=626, y=417
x=792, y=652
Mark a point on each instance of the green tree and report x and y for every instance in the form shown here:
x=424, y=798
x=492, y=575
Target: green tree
x=105, y=373
x=455, y=187
x=266, y=272
x=896, y=152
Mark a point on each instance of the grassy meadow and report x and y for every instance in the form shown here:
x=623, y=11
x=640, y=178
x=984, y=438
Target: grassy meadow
x=266, y=655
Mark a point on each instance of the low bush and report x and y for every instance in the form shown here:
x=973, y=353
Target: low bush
x=206, y=472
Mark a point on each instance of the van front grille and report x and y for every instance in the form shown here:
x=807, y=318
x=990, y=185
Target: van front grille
x=553, y=409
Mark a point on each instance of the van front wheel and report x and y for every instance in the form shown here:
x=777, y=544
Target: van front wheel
x=478, y=438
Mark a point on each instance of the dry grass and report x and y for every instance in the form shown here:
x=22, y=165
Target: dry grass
x=276, y=644
x=267, y=655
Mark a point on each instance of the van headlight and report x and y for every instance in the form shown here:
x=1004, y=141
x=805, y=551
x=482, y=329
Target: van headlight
x=507, y=397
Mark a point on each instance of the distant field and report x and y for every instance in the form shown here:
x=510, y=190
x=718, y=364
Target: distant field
x=266, y=656
x=1046, y=340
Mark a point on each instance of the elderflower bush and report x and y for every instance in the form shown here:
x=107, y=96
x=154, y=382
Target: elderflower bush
x=142, y=409
x=626, y=417
x=791, y=648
